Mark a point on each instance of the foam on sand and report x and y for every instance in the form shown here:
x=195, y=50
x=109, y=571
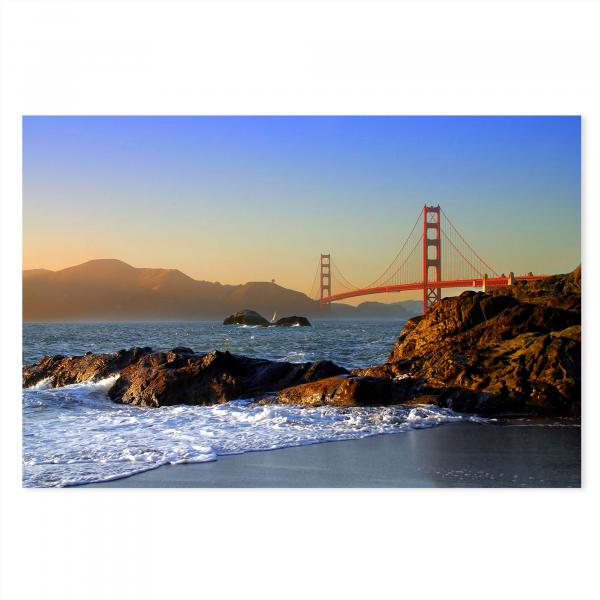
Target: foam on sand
x=76, y=434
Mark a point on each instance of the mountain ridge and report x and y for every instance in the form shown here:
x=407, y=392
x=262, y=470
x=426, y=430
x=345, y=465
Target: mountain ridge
x=111, y=289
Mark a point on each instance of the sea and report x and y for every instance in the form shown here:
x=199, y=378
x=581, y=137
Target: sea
x=75, y=434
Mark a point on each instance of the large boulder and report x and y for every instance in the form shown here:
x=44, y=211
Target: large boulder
x=292, y=322
x=246, y=317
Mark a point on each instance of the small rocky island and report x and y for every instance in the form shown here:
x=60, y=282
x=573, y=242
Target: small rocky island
x=251, y=317
x=292, y=322
x=246, y=317
x=515, y=350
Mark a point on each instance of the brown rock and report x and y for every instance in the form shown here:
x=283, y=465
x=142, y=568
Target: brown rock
x=348, y=391
x=499, y=351
x=179, y=376
x=559, y=291
x=164, y=379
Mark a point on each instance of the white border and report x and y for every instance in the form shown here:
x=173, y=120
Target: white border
x=292, y=58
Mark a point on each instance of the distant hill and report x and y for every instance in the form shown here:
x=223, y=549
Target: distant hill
x=108, y=289
x=378, y=310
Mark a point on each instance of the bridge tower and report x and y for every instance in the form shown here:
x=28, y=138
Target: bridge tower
x=432, y=255
x=325, y=281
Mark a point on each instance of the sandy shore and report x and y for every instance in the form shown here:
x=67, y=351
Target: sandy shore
x=518, y=454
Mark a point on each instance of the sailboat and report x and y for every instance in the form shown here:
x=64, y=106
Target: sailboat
x=274, y=317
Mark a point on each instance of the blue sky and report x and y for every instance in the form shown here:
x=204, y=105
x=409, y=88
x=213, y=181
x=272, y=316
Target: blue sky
x=238, y=199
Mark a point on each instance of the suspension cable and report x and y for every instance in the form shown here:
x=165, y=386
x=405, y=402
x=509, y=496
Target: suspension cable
x=342, y=279
x=404, y=263
x=372, y=284
x=313, y=287
x=486, y=265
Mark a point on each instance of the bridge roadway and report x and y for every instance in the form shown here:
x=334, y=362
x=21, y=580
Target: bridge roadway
x=490, y=282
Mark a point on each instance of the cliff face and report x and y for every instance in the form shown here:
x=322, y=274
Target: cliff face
x=517, y=347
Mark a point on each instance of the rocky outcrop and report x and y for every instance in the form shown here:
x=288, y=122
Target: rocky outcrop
x=559, y=291
x=179, y=376
x=513, y=349
x=246, y=317
x=292, y=322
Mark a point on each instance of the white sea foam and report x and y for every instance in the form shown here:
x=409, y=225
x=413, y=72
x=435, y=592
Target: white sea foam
x=76, y=434
x=297, y=356
x=86, y=393
x=42, y=384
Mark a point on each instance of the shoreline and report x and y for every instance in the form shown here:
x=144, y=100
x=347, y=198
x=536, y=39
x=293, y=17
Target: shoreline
x=518, y=453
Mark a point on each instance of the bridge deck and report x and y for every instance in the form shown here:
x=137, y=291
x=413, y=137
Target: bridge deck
x=455, y=283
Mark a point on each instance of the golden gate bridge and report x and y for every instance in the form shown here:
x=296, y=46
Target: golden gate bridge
x=433, y=257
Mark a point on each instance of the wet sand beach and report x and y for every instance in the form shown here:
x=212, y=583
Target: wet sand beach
x=518, y=453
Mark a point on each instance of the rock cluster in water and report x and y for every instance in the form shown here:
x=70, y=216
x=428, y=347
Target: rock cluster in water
x=251, y=317
x=515, y=349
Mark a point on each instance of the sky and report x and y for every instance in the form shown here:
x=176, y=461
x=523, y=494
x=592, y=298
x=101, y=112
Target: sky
x=237, y=199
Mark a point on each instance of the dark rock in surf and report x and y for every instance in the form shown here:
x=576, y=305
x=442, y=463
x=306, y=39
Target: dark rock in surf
x=64, y=370
x=179, y=376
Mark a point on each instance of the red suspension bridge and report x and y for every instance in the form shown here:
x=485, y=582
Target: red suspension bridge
x=433, y=247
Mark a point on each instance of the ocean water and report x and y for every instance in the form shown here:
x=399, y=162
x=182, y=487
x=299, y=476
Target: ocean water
x=76, y=434
x=348, y=343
